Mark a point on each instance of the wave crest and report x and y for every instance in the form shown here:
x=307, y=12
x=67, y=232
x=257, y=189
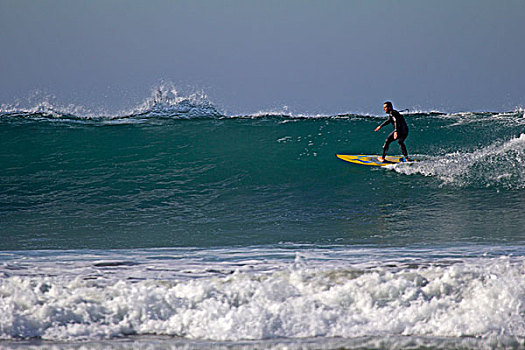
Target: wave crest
x=166, y=102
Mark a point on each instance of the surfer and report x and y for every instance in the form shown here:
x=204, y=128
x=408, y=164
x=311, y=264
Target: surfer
x=400, y=132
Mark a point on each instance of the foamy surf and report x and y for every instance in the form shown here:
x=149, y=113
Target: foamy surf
x=319, y=295
x=499, y=164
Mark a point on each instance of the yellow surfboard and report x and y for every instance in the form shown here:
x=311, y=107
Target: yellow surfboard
x=372, y=160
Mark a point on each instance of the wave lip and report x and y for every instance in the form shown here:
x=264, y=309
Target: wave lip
x=165, y=102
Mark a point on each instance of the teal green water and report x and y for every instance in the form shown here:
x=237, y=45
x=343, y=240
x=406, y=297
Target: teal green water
x=176, y=180
x=181, y=227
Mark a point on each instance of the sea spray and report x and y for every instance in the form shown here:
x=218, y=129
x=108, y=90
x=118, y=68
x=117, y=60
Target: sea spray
x=497, y=165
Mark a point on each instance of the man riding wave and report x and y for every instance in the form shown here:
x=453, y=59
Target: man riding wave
x=400, y=132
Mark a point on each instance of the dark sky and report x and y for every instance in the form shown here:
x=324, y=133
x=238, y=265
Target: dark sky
x=249, y=56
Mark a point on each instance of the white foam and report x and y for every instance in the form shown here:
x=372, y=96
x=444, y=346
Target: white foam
x=479, y=297
x=495, y=165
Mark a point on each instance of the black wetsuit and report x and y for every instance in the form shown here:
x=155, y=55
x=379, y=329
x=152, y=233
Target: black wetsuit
x=401, y=127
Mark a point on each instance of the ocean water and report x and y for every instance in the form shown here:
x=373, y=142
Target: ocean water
x=175, y=225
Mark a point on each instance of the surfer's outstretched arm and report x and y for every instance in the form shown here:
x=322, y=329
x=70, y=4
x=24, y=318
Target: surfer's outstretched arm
x=386, y=122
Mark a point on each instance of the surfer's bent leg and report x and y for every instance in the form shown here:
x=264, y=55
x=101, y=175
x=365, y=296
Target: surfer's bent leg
x=388, y=141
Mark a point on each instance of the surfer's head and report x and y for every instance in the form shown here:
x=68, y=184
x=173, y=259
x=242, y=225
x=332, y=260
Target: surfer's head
x=387, y=106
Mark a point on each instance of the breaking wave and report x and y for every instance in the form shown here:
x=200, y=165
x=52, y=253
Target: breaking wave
x=496, y=165
x=474, y=298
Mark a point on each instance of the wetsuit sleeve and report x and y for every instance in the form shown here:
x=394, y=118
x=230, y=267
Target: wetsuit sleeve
x=386, y=122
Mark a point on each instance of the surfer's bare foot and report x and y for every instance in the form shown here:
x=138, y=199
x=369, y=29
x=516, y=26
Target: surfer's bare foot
x=381, y=159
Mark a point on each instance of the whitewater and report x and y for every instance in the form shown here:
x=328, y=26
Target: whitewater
x=175, y=225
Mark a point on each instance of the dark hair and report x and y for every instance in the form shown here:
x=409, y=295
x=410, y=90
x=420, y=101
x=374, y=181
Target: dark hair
x=388, y=103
